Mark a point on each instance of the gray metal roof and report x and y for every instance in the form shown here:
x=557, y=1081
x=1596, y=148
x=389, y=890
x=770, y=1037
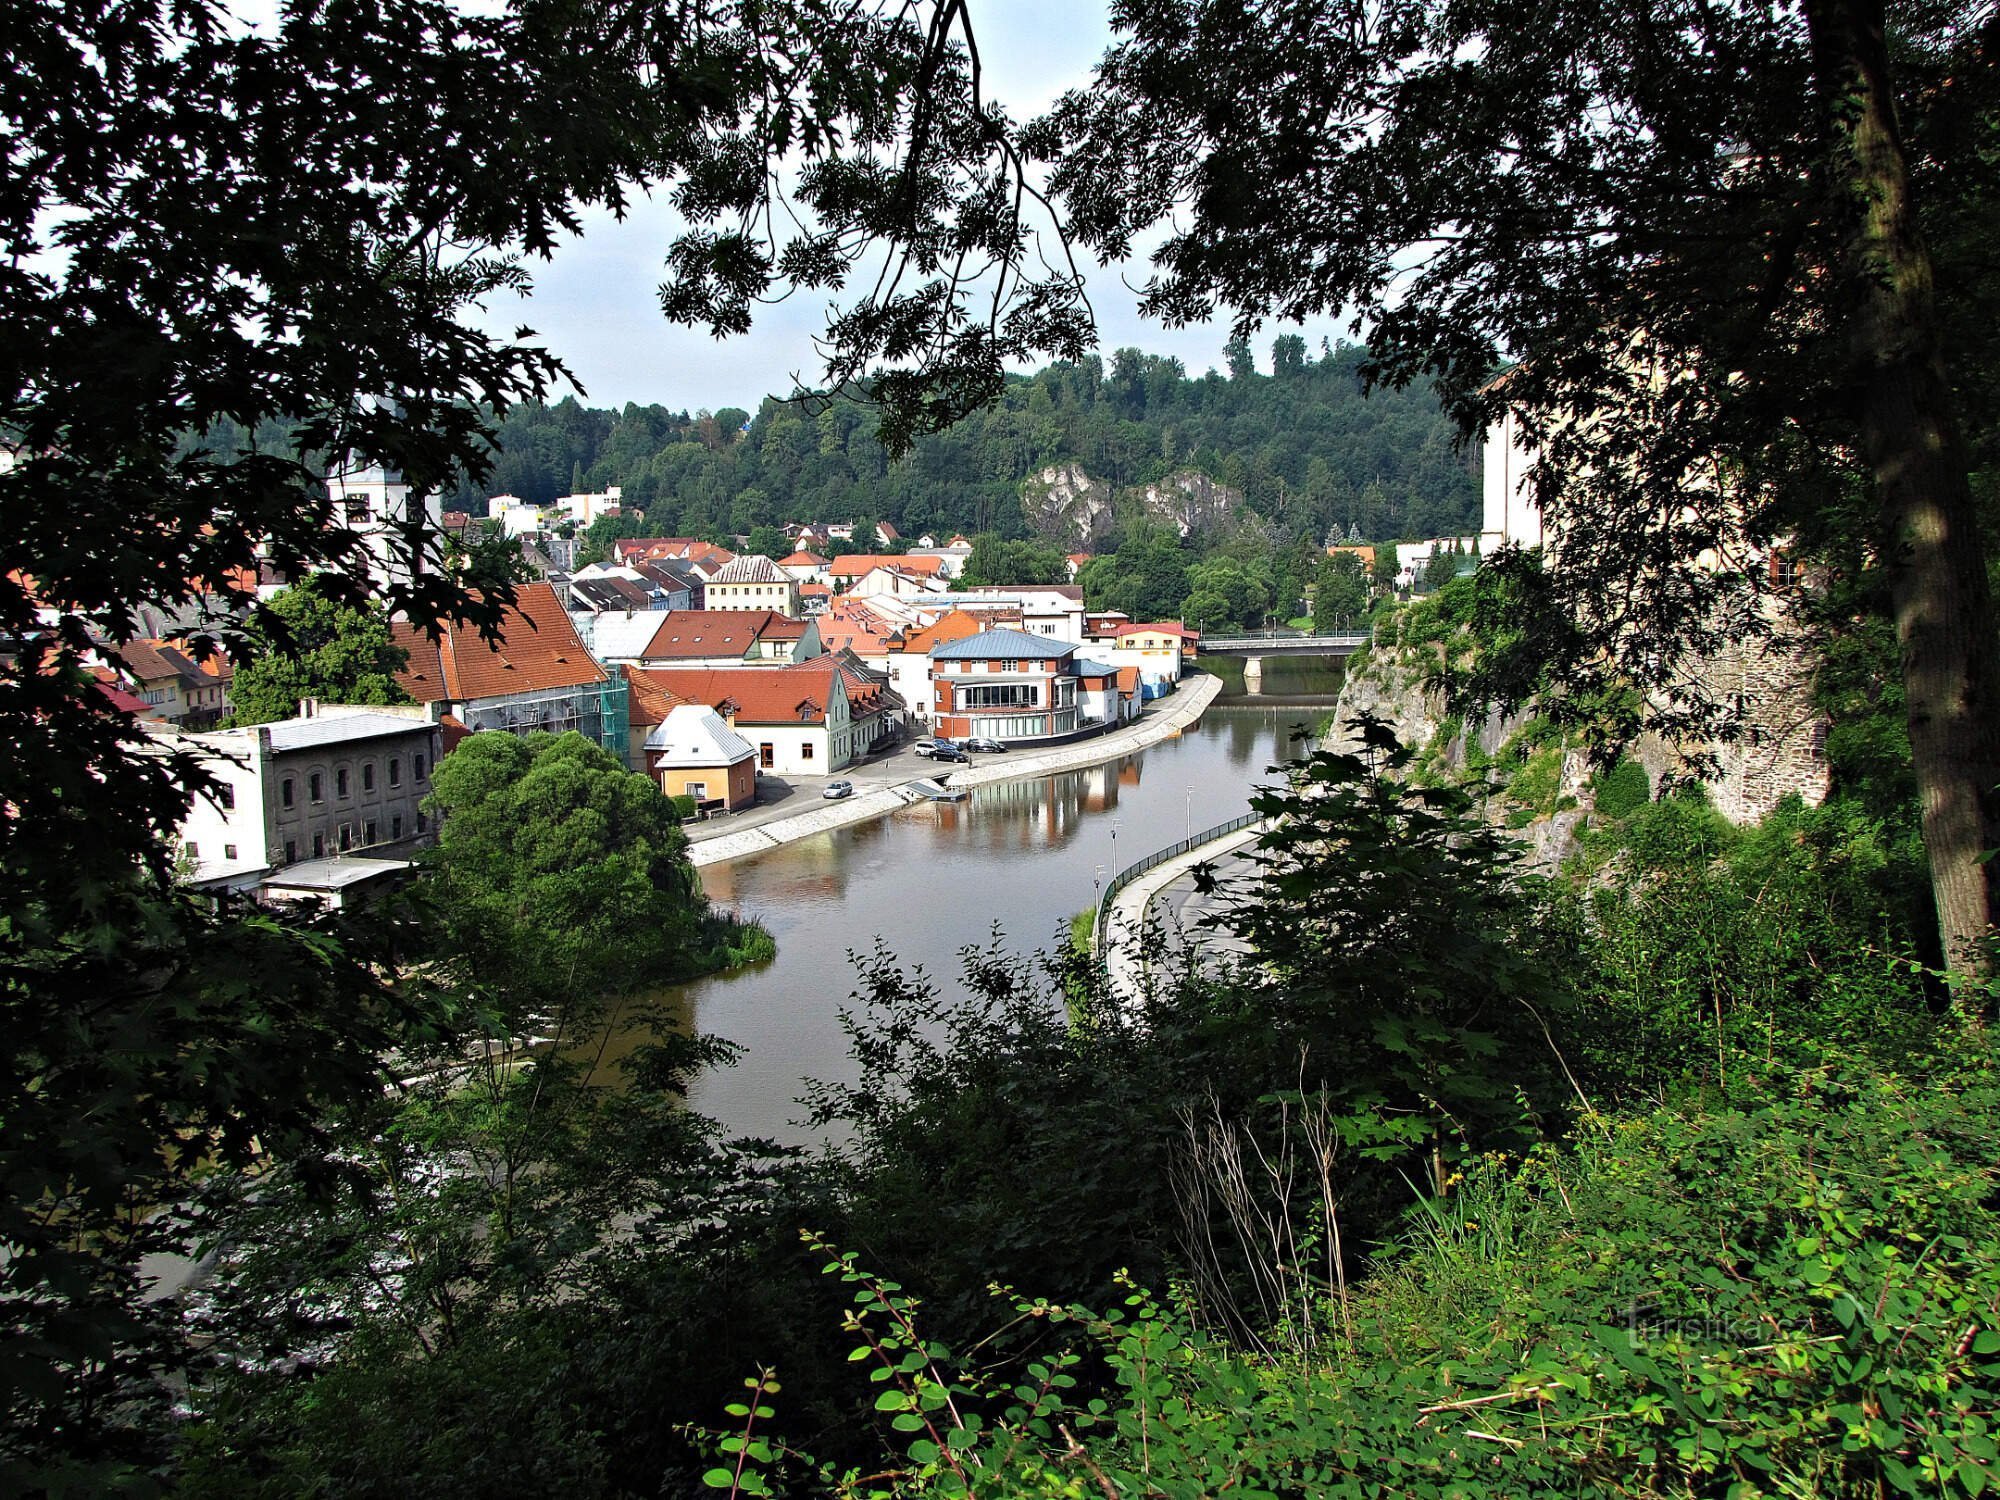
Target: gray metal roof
x=1002, y=643
x=333, y=729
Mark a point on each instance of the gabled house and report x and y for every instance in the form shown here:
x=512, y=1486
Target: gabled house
x=797, y=717
x=753, y=582
x=175, y=688
x=707, y=638
x=692, y=752
x=537, y=676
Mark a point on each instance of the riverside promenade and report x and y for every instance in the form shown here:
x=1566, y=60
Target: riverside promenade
x=1126, y=921
x=713, y=844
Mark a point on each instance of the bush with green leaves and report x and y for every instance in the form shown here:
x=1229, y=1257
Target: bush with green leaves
x=1622, y=789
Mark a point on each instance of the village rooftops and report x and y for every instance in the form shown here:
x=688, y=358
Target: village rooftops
x=859, y=565
x=1004, y=645
x=802, y=559
x=538, y=649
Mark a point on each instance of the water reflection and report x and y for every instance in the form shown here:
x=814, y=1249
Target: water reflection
x=935, y=878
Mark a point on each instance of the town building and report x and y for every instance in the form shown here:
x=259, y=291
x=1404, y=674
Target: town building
x=692, y=752
x=809, y=718
x=401, y=534
x=805, y=567
x=1054, y=610
x=174, y=687
x=705, y=638
x=336, y=780
x=1006, y=685
x=753, y=582
x=538, y=676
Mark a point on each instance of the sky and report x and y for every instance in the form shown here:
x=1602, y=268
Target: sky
x=594, y=305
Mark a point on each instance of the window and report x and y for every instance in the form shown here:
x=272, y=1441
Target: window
x=319, y=846
x=285, y=792
x=229, y=851
x=395, y=771
x=766, y=756
x=340, y=782
x=396, y=826
x=368, y=776
x=346, y=837
x=420, y=822
x=1010, y=666
x=193, y=852
x=314, y=789
x=225, y=795
x=698, y=790
x=806, y=751
x=1000, y=695
x=417, y=767
x=291, y=851
x=370, y=836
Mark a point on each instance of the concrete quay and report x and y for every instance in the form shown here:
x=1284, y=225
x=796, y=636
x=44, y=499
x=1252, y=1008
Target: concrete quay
x=881, y=788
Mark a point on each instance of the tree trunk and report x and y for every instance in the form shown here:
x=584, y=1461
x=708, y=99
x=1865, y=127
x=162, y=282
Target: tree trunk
x=1932, y=554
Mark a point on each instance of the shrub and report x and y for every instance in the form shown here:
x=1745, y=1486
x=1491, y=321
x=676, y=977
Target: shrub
x=1623, y=789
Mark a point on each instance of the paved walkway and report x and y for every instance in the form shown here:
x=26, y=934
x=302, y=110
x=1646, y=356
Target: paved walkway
x=1125, y=948
x=881, y=784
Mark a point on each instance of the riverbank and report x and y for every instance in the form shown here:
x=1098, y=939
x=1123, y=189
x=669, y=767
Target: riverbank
x=1125, y=924
x=1161, y=719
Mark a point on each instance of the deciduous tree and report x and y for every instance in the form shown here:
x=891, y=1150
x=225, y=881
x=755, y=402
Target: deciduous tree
x=328, y=649
x=1697, y=227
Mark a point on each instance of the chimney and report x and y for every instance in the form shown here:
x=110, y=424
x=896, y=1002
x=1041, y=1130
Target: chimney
x=308, y=708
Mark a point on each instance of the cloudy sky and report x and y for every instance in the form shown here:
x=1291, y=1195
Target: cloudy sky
x=594, y=304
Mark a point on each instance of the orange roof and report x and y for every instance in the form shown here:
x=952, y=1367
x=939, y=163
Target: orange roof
x=538, y=649
x=815, y=591
x=755, y=695
x=802, y=559
x=955, y=626
x=1170, y=627
x=694, y=633
x=856, y=565
x=1128, y=679
x=1366, y=554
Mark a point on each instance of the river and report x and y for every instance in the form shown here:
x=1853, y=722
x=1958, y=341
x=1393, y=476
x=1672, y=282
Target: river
x=932, y=879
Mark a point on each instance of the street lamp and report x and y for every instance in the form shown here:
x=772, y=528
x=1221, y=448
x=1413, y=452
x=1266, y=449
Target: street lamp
x=1187, y=826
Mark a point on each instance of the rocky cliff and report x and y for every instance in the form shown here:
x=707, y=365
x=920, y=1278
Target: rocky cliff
x=1066, y=506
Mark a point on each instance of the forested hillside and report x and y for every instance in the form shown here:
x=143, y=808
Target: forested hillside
x=1304, y=446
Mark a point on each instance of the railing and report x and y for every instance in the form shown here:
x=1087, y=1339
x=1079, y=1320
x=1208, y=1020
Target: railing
x=1249, y=639
x=1099, y=932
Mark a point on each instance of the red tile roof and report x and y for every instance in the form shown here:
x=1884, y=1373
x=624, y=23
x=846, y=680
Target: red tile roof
x=1170, y=627
x=699, y=633
x=538, y=649
x=802, y=559
x=857, y=565
x=755, y=695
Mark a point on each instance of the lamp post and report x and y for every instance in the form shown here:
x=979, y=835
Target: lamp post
x=1187, y=811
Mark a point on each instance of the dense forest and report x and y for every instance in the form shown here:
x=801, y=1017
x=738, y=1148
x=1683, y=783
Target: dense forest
x=1307, y=447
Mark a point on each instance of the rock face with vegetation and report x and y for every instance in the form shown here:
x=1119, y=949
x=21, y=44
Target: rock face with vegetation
x=1190, y=502
x=1548, y=780
x=1064, y=505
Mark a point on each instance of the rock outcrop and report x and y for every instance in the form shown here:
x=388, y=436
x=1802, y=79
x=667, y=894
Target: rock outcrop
x=1064, y=505
x=1190, y=501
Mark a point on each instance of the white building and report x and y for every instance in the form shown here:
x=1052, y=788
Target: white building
x=752, y=582
x=583, y=509
x=336, y=780
x=1053, y=610
x=401, y=536
x=1508, y=492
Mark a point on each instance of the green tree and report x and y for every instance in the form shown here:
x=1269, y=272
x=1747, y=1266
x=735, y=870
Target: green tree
x=999, y=563
x=554, y=860
x=1733, y=197
x=1341, y=592
x=768, y=541
x=312, y=644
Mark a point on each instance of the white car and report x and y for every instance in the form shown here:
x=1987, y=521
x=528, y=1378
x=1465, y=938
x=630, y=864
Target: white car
x=834, y=790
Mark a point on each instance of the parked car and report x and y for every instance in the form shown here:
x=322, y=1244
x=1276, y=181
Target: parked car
x=946, y=750
x=925, y=748
x=834, y=790
x=984, y=745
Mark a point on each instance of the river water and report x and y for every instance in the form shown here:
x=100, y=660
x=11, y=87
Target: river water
x=936, y=878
